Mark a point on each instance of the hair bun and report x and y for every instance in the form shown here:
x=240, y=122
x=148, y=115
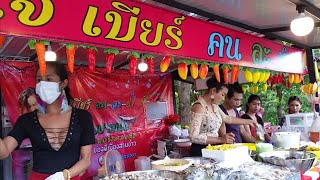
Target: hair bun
x=212, y=82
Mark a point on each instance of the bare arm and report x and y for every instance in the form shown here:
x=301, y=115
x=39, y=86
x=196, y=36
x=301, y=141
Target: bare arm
x=246, y=137
x=222, y=130
x=7, y=145
x=233, y=120
x=214, y=140
x=266, y=136
x=82, y=165
x=247, y=128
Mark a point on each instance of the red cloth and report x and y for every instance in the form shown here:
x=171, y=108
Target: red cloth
x=38, y=176
x=312, y=174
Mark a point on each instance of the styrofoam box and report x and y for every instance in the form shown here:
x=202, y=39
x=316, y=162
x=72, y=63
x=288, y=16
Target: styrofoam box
x=227, y=155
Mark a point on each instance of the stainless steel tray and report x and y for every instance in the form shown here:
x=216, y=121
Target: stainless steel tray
x=164, y=174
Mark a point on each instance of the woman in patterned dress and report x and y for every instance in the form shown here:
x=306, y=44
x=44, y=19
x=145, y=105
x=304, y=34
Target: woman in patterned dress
x=207, y=117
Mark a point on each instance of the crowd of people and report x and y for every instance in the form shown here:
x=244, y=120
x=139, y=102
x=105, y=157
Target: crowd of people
x=212, y=123
x=62, y=136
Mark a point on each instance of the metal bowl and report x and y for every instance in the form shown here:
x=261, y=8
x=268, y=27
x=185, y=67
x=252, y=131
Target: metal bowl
x=136, y=174
x=294, y=160
x=199, y=160
x=252, y=154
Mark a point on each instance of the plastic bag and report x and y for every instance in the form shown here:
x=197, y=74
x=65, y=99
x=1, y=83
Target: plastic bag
x=303, y=135
x=174, y=131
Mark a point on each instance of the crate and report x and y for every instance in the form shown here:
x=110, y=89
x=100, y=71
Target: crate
x=232, y=155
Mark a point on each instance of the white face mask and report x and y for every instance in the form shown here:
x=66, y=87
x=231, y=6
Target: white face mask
x=48, y=91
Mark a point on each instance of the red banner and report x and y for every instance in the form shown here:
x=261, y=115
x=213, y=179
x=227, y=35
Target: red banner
x=126, y=110
x=139, y=26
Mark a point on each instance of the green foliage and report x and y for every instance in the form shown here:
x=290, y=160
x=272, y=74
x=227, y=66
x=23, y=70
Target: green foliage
x=271, y=100
x=316, y=53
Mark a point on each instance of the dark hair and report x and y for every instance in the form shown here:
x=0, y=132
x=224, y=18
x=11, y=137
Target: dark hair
x=236, y=87
x=251, y=98
x=23, y=97
x=61, y=71
x=291, y=99
x=213, y=83
x=294, y=98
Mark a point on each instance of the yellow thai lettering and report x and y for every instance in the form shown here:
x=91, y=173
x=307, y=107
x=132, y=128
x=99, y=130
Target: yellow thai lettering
x=146, y=26
x=79, y=103
x=27, y=8
x=88, y=27
x=176, y=37
x=178, y=20
x=130, y=103
x=116, y=20
x=124, y=8
x=1, y=13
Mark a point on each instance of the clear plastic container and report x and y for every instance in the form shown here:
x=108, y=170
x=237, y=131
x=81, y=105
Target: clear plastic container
x=142, y=163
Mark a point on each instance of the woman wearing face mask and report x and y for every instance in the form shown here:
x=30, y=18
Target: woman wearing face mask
x=252, y=108
x=207, y=117
x=294, y=106
x=61, y=136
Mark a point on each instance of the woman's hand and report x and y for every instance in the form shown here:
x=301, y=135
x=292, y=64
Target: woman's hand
x=253, y=123
x=228, y=138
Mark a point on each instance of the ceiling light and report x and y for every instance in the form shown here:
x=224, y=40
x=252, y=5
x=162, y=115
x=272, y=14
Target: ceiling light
x=50, y=55
x=301, y=25
x=142, y=66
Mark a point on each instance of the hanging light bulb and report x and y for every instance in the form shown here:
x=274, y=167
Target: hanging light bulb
x=142, y=66
x=50, y=55
x=301, y=25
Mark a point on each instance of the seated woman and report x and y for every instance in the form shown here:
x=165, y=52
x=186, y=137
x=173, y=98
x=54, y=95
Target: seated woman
x=207, y=117
x=252, y=108
x=294, y=106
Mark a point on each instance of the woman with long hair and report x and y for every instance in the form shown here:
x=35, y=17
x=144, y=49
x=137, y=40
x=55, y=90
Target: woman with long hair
x=253, y=106
x=61, y=136
x=294, y=106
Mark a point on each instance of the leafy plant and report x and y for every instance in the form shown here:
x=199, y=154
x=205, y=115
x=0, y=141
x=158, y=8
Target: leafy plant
x=271, y=100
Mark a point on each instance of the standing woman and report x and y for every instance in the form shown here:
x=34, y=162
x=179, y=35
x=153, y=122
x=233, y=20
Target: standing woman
x=61, y=136
x=207, y=117
x=252, y=108
x=294, y=106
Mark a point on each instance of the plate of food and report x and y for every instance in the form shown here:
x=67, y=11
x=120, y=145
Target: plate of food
x=171, y=164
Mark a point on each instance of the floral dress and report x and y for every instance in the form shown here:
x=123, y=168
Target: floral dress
x=207, y=123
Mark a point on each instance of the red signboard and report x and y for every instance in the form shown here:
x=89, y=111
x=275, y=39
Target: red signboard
x=126, y=110
x=134, y=25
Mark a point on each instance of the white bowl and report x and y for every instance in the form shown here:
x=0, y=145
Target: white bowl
x=159, y=165
x=183, y=142
x=288, y=140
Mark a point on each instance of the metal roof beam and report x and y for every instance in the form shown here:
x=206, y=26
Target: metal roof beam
x=6, y=43
x=312, y=9
x=284, y=28
x=122, y=65
x=228, y=21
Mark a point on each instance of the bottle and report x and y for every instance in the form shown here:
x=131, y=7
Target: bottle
x=260, y=133
x=314, y=131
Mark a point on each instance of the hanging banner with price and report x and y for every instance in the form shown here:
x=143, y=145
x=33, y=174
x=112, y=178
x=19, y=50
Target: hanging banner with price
x=117, y=103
